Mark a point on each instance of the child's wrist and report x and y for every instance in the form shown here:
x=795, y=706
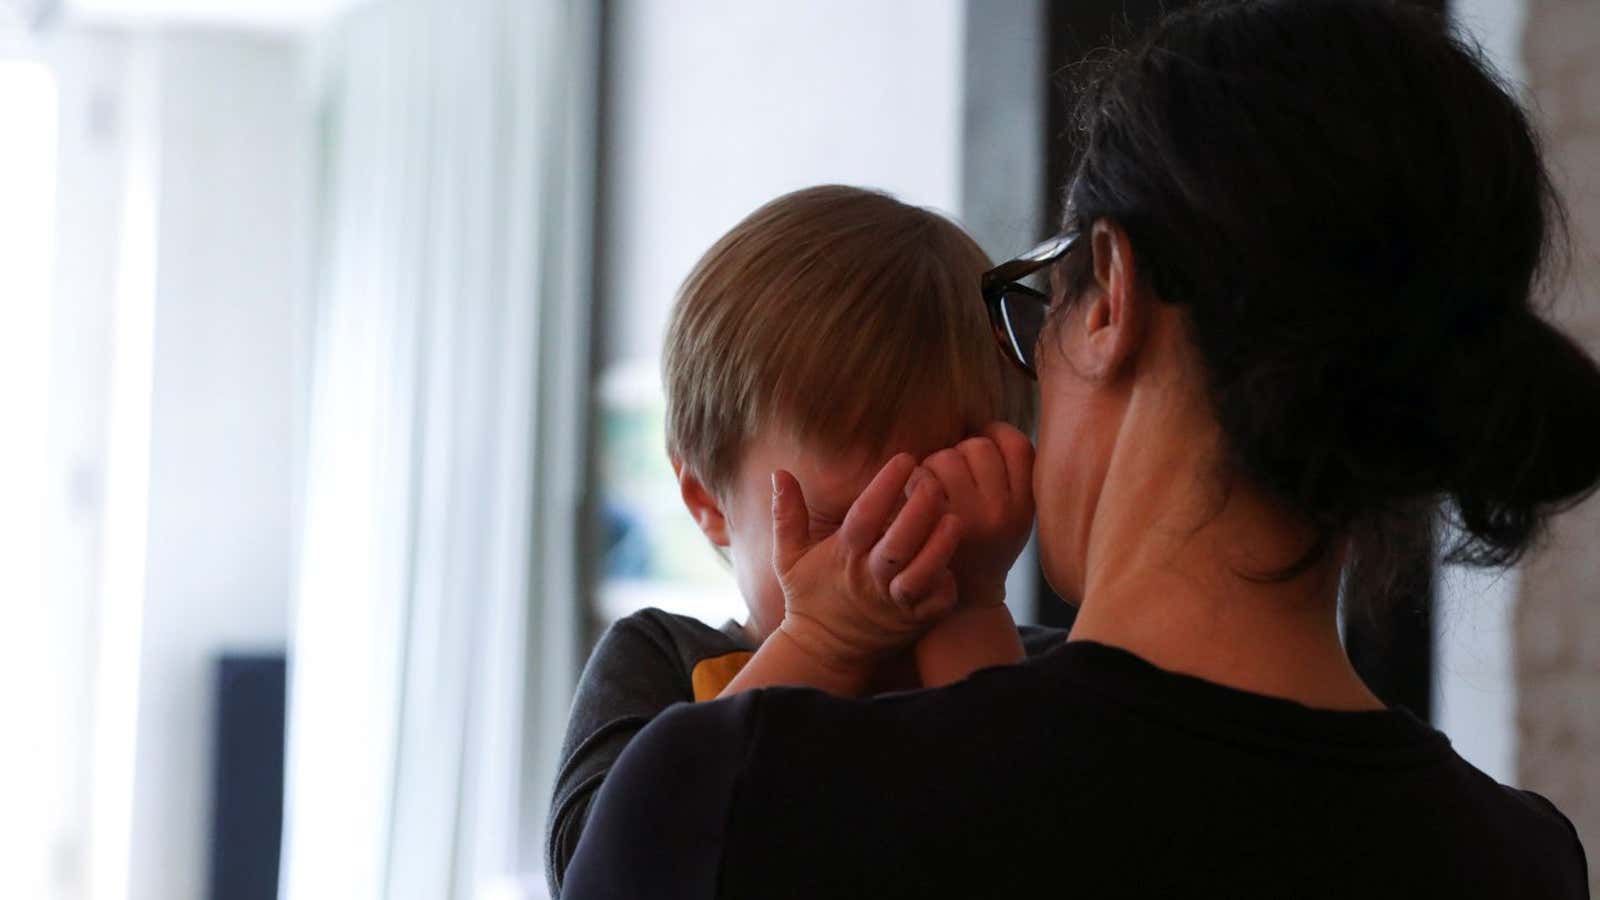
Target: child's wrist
x=843, y=668
x=965, y=618
x=971, y=638
x=982, y=593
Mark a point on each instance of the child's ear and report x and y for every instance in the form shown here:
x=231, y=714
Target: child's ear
x=702, y=504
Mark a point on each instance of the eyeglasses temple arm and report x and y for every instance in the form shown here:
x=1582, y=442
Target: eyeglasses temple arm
x=1030, y=262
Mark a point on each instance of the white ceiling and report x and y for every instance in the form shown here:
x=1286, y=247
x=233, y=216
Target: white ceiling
x=267, y=15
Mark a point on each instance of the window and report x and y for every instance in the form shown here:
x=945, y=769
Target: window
x=33, y=771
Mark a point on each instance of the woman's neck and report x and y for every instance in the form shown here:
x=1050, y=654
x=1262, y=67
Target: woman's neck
x=1179, y=565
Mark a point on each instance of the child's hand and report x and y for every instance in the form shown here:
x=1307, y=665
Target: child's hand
x=989, y=483
x=875, y=584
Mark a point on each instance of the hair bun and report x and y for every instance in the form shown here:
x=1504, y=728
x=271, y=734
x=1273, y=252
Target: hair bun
x=1527, y=436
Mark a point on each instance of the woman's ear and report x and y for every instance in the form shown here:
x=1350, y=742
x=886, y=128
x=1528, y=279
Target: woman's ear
x=1114, y=313
x=702, y=504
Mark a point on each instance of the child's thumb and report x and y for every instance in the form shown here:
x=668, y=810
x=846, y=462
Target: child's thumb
x=791, y=529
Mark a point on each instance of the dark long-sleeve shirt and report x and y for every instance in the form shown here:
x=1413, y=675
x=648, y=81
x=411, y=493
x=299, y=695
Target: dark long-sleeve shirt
x=1087, y=773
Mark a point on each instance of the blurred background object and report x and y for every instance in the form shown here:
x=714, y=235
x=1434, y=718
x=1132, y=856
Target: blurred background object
x=329, y=365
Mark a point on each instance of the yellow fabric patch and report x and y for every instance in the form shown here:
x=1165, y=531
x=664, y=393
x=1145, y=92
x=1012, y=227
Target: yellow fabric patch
x=710, y=676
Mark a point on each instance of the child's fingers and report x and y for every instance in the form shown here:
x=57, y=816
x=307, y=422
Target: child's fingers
x=940, y=601
x=1017, y=451
x=950, y=467
x=869, y=515
x=987, y=467
x=921, y=577
x=791, y=527
x=908, y=532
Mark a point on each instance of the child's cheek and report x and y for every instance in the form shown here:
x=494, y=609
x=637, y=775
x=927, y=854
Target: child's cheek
x=758, y=583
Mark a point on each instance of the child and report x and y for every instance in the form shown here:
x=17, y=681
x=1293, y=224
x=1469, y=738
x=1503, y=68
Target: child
x=844, y=431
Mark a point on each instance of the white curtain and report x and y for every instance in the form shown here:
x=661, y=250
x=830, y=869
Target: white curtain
x=433, y=640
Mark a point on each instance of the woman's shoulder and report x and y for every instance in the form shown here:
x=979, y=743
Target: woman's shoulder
x=1523, y=837
x=693, y=740
x=1568, y=837
x=663, y=805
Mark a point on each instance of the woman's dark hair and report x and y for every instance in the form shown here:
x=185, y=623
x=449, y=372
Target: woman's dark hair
x=1354, y=215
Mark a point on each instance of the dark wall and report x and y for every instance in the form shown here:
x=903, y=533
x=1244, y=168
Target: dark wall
x=247, y=780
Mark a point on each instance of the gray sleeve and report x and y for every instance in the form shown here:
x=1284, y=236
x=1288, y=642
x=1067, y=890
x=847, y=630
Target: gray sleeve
x=634, y=673
x=1037, y=640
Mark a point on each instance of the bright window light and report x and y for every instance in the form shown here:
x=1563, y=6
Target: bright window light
x=126, y=510
x=30, y=773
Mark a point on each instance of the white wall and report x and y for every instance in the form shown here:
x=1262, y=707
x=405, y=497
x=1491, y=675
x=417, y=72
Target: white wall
x=713, y=108
x=167, y=461
x=31, y=688
x=90, y=69
x=282, y=16
x=1557, y=618
x=232, y=141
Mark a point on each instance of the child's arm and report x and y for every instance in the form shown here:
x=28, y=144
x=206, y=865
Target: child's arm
x=633, y=674
x=851, y=598
x=780, y=661
x=989, y=483
x=969, y=639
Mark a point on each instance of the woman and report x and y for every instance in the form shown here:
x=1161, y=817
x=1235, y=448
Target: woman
x=1290, y=320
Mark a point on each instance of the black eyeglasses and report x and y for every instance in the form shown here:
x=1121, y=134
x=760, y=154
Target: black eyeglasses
x=1017, y=311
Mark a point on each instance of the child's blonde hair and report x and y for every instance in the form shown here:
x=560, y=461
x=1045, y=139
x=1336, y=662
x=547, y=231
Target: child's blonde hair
x=839, y=314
